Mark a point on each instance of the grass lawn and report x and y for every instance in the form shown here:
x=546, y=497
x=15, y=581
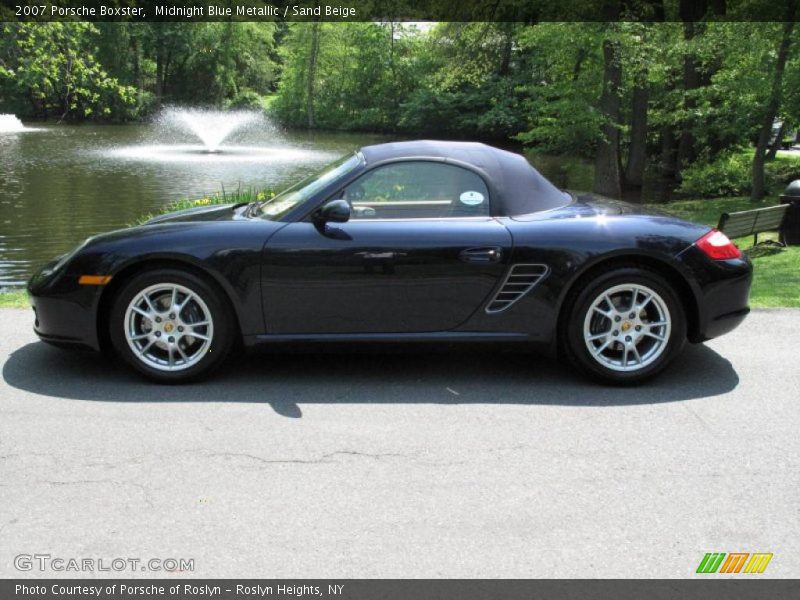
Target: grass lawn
x=776, y=276
x=777, y=270
x=14, y=299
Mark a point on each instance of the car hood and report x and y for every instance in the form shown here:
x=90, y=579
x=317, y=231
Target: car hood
x=217, y=212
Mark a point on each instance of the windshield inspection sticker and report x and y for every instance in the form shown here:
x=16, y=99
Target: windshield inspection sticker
x=471, y=198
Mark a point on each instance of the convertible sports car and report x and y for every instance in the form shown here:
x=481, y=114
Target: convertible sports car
x=408, y=241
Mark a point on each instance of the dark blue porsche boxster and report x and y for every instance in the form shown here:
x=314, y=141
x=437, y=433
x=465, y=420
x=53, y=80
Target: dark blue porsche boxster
x=408, y=241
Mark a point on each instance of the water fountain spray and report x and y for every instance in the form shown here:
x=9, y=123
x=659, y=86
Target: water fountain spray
x=186, y=135
x=10, y=124
x=209, y=126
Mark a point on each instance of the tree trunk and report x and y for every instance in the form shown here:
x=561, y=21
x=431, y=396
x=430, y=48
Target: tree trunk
x=312, y=74
x=669, y=152
x=691, y=82
x=37, y=110
x=637, y=150
x=137, y=67
x=576, y=69
x=508, y=43
x=395, y=99
x=773, y=149
x=693, y=13
x=67, y=89
x=667, y=163
x=159, y=67
x=607, y=180
x=165, y=73
x=773, y=105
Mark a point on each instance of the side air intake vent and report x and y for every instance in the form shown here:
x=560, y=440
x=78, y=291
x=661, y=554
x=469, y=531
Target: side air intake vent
x=520, y=280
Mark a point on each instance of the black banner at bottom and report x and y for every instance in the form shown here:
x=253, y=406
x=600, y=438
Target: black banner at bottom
x=390, y=589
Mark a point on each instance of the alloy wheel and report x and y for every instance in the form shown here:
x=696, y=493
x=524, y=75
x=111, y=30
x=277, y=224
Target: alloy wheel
x=627, y=327
x=168, y=327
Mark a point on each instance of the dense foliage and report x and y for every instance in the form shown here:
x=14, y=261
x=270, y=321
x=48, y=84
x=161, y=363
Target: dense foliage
x=729, y=174
x=53, y=68
x=677, y=95
x=674, y=98
x=123, y=70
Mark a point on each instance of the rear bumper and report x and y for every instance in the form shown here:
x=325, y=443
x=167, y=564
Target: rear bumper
x=722, y=324
x=722, y=293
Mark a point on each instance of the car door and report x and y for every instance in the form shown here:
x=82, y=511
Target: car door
x=420, y=253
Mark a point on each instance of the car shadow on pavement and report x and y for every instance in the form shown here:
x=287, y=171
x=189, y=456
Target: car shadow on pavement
x=286, y=380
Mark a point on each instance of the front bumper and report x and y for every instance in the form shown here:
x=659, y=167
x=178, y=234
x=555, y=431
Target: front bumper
x=64, y=312
x=62, y=322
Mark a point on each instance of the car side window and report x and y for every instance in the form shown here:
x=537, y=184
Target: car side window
x=417, y=190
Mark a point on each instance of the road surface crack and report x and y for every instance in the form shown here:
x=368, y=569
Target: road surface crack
x=145, y=491
x=324, y=459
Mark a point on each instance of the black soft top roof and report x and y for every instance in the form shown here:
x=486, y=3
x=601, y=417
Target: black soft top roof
x=517, y=187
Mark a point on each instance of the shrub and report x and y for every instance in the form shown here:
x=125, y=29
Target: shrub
x=727, y=175
x=730, y=173
x=223, y=197
x=246, y=100
x=782, y=170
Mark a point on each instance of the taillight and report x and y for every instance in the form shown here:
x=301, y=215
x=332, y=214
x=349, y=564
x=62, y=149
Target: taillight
x=717, y=246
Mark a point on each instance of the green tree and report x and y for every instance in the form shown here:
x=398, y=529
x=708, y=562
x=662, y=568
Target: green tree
x=53, y=66
x=465, y=82
x=344, y=75
x=773, y=104
x=563, y=86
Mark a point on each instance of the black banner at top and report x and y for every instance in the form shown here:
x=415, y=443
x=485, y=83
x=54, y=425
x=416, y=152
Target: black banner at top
x=524, y=11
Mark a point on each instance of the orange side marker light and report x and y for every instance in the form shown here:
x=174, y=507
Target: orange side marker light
x=94, y=279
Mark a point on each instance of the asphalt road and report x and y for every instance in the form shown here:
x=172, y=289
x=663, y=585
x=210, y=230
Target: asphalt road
x=421, y=464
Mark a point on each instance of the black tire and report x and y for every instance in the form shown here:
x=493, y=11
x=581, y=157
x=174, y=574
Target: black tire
x=573, y=342
x=209, y=358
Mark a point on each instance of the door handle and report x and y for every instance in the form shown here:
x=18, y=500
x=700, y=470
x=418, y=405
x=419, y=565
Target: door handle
x=481, y=255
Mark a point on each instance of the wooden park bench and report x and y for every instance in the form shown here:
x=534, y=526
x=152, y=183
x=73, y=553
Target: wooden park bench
x=752, y=222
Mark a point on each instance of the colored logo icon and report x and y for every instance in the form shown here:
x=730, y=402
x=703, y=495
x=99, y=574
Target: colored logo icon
x=734, y=562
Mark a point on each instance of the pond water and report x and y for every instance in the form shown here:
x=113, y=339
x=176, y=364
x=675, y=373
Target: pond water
x=60, y=184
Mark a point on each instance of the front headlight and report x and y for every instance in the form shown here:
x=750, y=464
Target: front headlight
x=62, y=260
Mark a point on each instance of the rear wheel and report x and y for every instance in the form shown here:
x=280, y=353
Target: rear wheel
x=625, y=326
x=171, y=326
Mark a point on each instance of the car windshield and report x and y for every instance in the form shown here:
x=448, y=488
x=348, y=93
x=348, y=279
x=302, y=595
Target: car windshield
x=277, y=207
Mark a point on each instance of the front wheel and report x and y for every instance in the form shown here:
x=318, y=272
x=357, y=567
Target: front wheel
x=171, y=326
x=625, y=326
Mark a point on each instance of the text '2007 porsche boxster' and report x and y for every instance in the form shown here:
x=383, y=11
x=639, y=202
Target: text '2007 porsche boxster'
x=408, y=241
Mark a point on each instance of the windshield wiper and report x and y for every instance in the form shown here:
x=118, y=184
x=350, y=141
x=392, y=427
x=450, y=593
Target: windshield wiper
x=249, y=206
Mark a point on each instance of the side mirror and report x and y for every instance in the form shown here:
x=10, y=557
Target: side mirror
x=335, y=211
